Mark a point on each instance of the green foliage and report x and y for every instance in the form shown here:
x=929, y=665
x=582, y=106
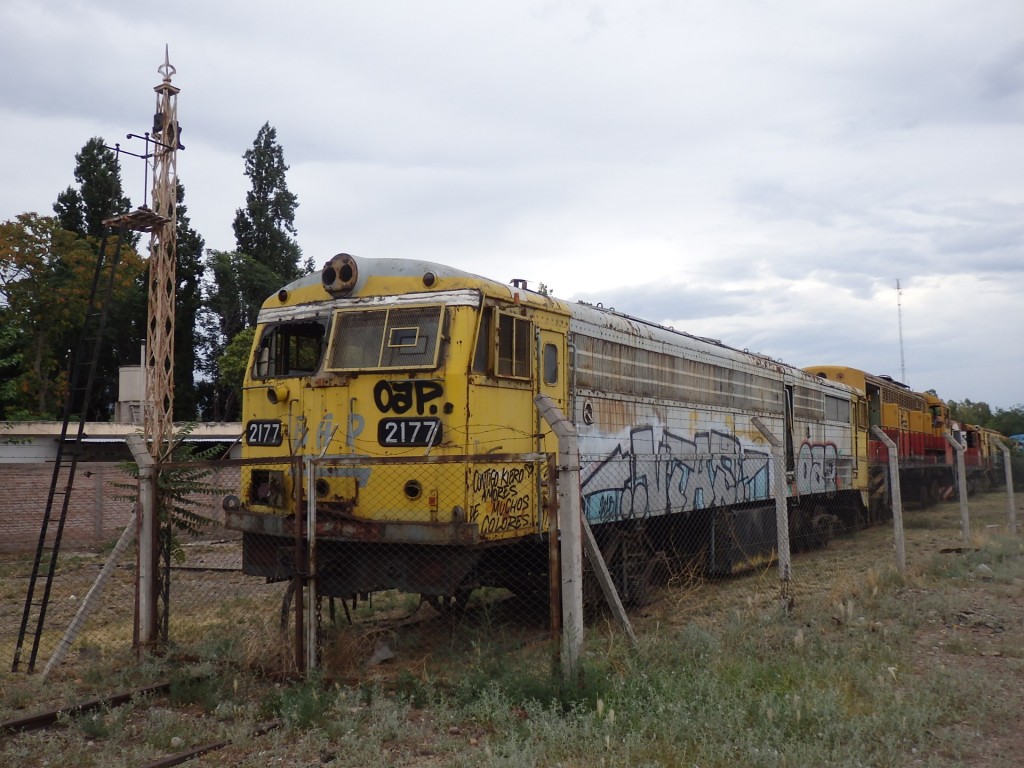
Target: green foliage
x=265, y=228
x=302, y=706
x=82, y=210
x=1009, y=421
x=235, y=360
x=968, y=412
x=45, y=276
x=189, y=272
x=206, y=690
x=99, y=194
x=240, y=286
x=180, y=490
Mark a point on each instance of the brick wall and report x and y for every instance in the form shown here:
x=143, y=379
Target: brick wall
x=95, y=515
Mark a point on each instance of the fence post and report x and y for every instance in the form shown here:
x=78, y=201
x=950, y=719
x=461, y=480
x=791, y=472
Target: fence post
x=961, y=477
x=895, y=497
x=554, y=564
x=1011, y=512
x=97, y=522
x=313, y=605
x=781, y=505
x=570, y=525
x=299, y=555
x=86, y=608
x=146, y=549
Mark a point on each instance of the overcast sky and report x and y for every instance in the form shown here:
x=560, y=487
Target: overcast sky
x=759, y=172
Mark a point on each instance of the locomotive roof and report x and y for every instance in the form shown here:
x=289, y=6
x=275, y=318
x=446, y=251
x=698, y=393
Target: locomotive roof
x=653, y=334
x=597, y=316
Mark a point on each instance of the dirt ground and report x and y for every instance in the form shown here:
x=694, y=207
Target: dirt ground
x=979, y=630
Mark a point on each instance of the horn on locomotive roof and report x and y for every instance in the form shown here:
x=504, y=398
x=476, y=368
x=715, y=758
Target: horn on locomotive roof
x=339, y=275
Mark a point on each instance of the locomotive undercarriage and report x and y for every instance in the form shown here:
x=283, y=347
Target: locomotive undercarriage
x=446, y=565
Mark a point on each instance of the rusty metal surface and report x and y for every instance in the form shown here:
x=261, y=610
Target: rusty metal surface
x=352, y=529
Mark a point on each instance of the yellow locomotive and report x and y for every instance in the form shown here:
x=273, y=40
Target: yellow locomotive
x=409, y=387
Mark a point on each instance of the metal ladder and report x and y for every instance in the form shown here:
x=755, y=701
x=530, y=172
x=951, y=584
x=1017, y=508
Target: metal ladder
x=81, y=376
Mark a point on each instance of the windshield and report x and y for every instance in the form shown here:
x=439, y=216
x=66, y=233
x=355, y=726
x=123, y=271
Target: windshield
x=381, y=339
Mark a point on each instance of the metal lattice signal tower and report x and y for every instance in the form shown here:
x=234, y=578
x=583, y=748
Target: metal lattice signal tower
x=159, y=411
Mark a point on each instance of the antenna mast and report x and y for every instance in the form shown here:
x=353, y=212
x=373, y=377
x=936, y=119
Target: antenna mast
x=899, y=315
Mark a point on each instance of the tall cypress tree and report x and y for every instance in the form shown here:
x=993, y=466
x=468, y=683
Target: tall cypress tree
x=99, y=194
x=265, y=228
x=188, y=303
x=266, y=256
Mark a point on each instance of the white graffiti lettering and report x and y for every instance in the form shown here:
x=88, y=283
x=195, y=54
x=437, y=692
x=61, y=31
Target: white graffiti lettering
x=672, y=475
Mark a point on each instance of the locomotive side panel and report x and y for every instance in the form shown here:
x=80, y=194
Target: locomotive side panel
x=667, y=440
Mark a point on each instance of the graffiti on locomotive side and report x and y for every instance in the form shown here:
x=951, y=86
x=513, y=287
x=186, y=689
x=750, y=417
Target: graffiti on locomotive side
x=674, y=474
x=816, y=468
x=502, y=498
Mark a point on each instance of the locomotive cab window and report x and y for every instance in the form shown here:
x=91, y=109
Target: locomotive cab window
x=514, y=336
x=289, y=349
x=484, y=337
x=385, y=339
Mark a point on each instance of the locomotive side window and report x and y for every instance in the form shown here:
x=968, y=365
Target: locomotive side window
x=514, y=335
x=396, y=338
x=837, y=409
x=289, y=349
x=550, y=364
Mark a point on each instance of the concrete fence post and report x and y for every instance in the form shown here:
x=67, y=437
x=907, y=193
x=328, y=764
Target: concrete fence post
x=570, y=527
x=961, y=478
x=146, y=568
x=312, y=597
x=1011, y=511
x=895, y=497
x=781, y=503
x=85, y=610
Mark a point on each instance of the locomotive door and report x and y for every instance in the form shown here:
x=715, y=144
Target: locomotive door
x=551, y=375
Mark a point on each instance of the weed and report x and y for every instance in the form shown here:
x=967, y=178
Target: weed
x=188, y=687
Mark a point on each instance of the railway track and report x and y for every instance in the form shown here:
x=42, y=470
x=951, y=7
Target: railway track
x=52, y=718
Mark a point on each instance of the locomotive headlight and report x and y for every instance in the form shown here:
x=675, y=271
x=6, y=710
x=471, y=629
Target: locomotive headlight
x=413, y=490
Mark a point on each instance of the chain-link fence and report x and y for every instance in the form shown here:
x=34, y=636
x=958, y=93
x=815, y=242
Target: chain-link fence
x=451, y=558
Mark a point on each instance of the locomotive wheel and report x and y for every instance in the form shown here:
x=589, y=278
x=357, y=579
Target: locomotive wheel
x=449, y=605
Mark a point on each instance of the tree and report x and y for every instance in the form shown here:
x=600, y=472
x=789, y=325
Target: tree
x=231, y=367
x=45, y=276
x=82, y=210
x=265, y=228
x=1009, y=421
x=189, y=272
x=99, y=195
x=239, y=284
x=967, y=412
x=11, y=358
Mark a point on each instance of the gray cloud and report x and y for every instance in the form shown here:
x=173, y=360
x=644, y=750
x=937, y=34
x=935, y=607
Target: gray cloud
x=756, y=173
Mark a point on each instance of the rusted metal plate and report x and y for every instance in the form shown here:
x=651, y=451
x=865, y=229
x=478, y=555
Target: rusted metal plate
x=352, y=529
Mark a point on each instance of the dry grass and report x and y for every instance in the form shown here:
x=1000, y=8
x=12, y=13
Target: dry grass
x=865, y=664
